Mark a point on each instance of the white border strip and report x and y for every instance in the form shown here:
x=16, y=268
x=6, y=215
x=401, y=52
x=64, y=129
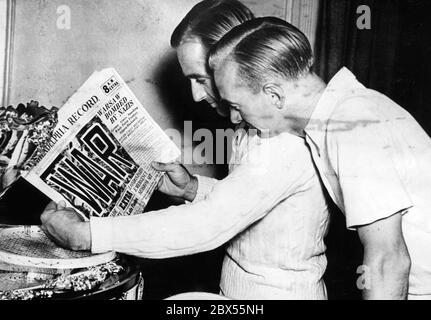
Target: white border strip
x=3, y=14
x=8, y=48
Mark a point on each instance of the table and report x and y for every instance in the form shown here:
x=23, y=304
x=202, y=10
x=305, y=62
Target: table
x=126, y=285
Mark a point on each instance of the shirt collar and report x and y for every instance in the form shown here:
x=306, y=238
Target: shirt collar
x=342, y=84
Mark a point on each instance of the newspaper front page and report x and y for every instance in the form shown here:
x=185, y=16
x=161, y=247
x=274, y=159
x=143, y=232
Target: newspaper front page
x=99, y=156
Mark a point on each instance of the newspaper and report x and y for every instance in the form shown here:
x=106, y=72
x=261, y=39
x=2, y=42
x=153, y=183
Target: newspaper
x=99, y=156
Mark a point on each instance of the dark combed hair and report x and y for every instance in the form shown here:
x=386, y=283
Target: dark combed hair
x=209, y=21
x=264, y=46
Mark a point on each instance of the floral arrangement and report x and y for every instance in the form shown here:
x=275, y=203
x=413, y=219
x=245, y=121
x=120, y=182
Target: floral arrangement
x=24, y=130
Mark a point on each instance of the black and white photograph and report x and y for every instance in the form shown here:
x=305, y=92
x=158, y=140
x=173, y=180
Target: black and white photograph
x=211, y=156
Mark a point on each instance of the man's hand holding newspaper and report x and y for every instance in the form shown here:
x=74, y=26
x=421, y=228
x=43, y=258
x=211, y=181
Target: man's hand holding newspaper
x=177, y=182
x=66, y=227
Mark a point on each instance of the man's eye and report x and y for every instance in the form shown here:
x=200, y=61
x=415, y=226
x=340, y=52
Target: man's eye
x=201, y=81
x=236, y=108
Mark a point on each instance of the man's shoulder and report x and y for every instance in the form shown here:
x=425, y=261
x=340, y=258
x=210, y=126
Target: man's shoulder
x=357, y=104
x=357, y=116
x=365, y=108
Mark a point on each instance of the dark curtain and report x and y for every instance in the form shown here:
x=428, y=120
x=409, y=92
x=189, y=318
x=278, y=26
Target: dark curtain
x=393, y=57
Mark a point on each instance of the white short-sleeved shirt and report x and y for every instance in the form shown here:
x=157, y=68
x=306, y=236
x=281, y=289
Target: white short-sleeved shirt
x=375, y=161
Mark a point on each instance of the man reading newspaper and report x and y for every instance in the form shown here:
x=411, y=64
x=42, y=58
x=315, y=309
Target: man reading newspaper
x=270, y=209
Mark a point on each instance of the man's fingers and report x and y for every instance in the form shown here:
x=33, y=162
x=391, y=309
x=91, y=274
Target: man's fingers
x=160, y=183
x=61, y=205
x=44, y=217
x=164, y=166
x=45, y=229
x=49, y=210
x=50, y=237
x=52, y=206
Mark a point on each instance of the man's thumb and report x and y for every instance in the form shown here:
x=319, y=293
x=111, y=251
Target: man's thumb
x=162, y=166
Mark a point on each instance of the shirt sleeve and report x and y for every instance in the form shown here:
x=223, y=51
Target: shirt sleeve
x=363, y=153
x=205, y=186
x=242, y=198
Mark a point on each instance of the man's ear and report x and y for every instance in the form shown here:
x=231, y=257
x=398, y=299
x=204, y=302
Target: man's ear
x=275, y=93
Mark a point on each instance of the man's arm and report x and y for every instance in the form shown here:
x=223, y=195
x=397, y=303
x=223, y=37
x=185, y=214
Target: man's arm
x=366, y=161
x=386, y=258
x=237, y=201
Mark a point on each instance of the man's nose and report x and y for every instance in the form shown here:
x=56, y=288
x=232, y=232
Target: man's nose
x=235, y=116
x=198, y=92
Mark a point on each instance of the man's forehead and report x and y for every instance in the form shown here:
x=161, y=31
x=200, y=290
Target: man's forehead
x=192, y=47
x=227, y=78
x=192, y=58
x=227, y=72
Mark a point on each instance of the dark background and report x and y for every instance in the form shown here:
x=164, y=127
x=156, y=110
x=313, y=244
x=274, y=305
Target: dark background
x=392, y=57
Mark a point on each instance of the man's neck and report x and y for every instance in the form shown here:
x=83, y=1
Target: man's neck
x=310, y=89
